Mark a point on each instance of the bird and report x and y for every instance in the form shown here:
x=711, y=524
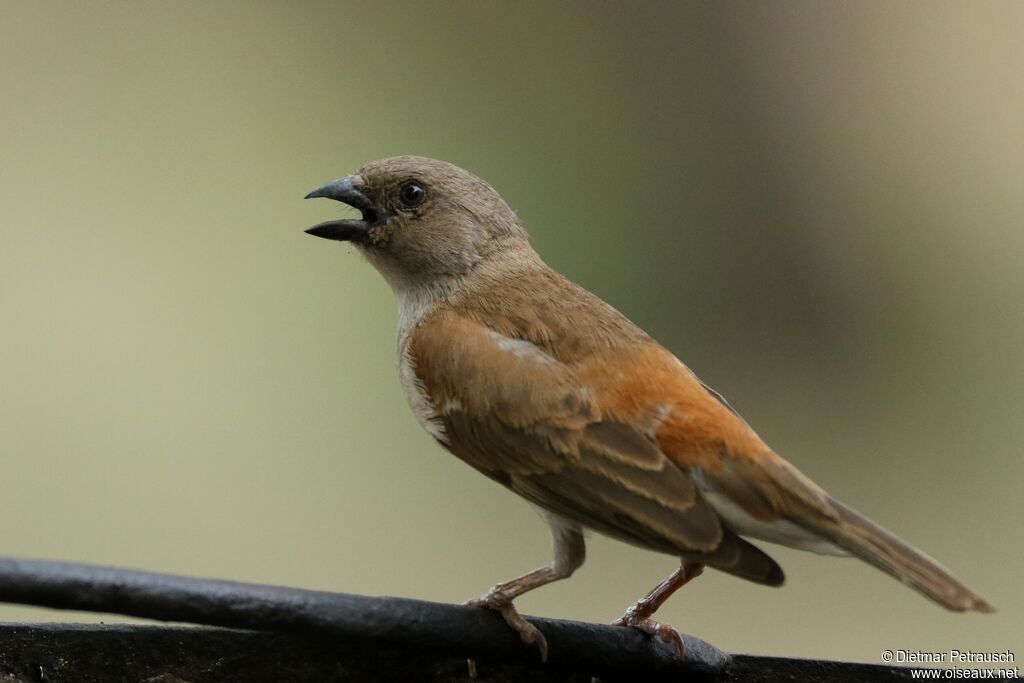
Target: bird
x=554, y=394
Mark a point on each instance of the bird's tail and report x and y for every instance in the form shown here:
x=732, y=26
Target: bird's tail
x=875, y=545
x=739, y=557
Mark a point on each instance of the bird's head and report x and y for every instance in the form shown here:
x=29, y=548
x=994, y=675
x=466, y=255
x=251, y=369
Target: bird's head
x=423, y=221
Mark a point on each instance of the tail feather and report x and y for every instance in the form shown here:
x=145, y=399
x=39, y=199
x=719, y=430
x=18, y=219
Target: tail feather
x=875, y=545
x=741, y=558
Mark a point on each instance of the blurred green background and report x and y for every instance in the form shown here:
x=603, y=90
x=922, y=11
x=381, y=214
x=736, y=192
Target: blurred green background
x=818, y=206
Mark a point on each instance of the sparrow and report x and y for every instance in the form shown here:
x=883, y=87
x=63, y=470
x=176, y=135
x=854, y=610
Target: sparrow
x=554, y=394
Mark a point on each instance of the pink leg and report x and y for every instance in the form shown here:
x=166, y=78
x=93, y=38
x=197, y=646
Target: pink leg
x=569, y=554
x=639, y=614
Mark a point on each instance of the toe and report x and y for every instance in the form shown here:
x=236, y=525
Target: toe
x=662, y=632
x=528, y=633
x=671, y=636
x=489, y=601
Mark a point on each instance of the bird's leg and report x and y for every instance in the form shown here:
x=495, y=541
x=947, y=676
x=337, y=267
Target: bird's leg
x=639, y=614
x=569, y=553
x=500, y=598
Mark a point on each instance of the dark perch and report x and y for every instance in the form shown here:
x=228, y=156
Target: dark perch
x=304, y=635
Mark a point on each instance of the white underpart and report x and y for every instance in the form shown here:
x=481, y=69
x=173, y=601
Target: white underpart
x=779, y=531
x=414, y=305
x=417, y=397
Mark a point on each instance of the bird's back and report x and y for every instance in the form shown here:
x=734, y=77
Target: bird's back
x=541, y=306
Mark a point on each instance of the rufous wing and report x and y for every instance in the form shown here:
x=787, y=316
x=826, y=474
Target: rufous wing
x=533, y=423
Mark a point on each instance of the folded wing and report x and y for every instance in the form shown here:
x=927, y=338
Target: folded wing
x=537, y=426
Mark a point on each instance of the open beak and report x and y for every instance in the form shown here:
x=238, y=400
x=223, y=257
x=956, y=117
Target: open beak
x=347, y=229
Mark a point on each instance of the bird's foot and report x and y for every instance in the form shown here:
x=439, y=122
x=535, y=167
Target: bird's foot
x=528, y=633
x=636, y=618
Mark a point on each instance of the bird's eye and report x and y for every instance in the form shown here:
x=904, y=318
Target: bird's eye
x=411, y=194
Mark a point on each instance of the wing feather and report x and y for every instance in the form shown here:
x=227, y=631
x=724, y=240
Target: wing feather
x=531, y=422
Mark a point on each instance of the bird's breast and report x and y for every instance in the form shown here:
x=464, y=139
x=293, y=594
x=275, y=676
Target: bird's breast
x=416, y=395
x=413, y=307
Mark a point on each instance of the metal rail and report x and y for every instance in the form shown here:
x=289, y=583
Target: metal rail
x=349, y=637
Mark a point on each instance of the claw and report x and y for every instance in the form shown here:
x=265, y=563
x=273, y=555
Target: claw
x=639, y=614
x=528, y=633
x=667, y=634
x=661, y=631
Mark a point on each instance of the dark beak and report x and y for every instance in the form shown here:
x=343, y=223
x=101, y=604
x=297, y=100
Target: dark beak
x=348, y=229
